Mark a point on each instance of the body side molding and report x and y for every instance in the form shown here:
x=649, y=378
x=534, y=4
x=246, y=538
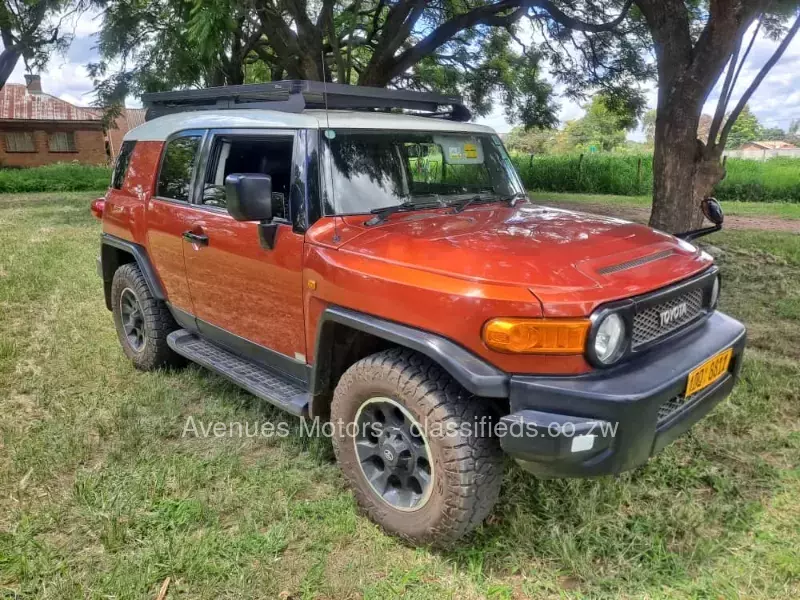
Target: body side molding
x=476, y=375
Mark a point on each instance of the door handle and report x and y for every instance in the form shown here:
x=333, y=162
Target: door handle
x=200, y=239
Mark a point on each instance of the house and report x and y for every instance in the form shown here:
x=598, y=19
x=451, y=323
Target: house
x=39, y=129
x=768, y=145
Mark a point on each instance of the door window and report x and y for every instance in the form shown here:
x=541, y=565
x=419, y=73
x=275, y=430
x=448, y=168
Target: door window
x=175, y=178
x=244, y=154
x=121, y=164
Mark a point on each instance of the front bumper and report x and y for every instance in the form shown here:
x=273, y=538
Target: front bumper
x=615, y=419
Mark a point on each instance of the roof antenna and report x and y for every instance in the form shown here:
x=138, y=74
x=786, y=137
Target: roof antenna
x=329, y=135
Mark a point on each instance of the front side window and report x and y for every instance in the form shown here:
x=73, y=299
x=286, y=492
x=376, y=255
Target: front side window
x=369, y=170
x=175, y=178
x=270, y=155
x=121, y=164
x=20, y=141
x=62, y=141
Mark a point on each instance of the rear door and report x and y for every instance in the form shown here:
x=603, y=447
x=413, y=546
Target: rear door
x=171, y=213
x=246, y=296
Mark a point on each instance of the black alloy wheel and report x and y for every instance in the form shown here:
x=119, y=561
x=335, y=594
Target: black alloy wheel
x=393, y=454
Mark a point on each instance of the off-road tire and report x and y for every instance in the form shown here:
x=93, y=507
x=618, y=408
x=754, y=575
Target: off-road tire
x=467, y=469
x=158, y=322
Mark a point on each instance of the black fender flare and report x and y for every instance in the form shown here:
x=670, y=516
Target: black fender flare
x=139, y=254
x=473, y=373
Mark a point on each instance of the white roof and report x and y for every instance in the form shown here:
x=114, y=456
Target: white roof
x=161, y=128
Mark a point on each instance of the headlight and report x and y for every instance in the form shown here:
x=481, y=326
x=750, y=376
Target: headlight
x=714, y=293
x=609, y=340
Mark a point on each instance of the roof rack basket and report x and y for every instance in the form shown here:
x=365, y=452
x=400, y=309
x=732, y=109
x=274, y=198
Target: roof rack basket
x=294, y=96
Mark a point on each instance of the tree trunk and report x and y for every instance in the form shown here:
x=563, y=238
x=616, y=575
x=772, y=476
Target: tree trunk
x=8, y=60
x=684, y=170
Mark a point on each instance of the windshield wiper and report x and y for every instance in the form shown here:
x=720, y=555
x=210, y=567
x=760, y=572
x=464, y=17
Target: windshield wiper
x=382, y=213
x=459, y=205
x=513, y=198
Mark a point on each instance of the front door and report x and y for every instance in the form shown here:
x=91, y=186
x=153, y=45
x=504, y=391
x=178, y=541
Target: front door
x=245, y=296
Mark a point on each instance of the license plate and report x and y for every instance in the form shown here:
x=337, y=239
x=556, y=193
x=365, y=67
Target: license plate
x=707, y=373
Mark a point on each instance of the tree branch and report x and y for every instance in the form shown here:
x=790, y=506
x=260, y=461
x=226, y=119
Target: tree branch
x=744, y=58
x=576, y=24
x=757, y=81
x=727, y=87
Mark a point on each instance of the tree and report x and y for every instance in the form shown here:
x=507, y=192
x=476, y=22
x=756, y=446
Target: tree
x=704, y=127
x=793, y=133
x=649, y=126
x=604, y=126
x=466, y=46
x=693, y=49
x=772, y=134
x=745, y=129
x=32, y=30
x=531, y=141
x=448, y=45
x=694, y=44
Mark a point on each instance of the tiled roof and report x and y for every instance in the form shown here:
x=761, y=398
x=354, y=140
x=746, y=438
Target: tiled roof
x=135, y=116
x=130, y=118
x=773, y=145
x=16, y=102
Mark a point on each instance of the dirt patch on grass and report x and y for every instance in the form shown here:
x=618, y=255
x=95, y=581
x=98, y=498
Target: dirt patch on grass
x=641, y=215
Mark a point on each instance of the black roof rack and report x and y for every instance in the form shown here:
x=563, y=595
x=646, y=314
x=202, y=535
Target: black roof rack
x=294, y=96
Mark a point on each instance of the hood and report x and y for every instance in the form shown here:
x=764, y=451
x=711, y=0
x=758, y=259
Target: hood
x=563, y=257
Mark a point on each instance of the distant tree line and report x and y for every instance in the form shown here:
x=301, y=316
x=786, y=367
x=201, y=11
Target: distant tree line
x=602, y=129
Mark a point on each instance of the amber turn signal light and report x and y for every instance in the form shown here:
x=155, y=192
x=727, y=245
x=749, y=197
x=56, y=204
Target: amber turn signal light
x=536, y=336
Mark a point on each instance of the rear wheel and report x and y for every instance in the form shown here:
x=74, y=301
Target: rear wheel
x=142, y=321
x=415, y=447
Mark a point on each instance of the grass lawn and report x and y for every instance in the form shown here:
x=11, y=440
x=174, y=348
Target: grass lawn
x=101, y=496
x=784, y=210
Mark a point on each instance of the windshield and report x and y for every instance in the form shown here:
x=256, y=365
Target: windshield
x=371, y=170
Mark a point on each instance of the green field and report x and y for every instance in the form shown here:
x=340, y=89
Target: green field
x=101, y=496
x=775, y=180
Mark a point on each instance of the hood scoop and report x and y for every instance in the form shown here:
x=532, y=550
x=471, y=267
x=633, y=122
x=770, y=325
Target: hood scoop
x=636, y=262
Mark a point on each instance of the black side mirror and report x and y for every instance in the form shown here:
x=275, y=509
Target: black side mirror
x=249, y=196
x=713, y=211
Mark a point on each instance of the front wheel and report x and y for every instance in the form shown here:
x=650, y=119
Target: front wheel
x=415, y=447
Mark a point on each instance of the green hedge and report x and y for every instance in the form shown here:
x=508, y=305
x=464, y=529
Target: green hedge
x=61, y=177
x=774, y=180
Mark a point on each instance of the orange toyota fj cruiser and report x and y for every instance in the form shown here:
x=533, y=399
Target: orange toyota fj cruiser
x=385, y=271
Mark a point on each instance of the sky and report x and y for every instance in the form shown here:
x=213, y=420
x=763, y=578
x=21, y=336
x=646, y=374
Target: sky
x=776, y=103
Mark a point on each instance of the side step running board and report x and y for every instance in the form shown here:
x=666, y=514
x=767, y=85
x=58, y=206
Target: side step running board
x=259, y=381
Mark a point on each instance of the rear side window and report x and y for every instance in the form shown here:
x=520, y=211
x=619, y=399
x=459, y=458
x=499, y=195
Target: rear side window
x=175, y=178
x=121, y=165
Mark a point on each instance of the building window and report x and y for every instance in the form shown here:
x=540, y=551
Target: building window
x=20, y=141
x=62, y=141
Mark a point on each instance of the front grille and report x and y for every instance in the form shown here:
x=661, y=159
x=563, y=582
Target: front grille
x=670, y=407
x=648, y=327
